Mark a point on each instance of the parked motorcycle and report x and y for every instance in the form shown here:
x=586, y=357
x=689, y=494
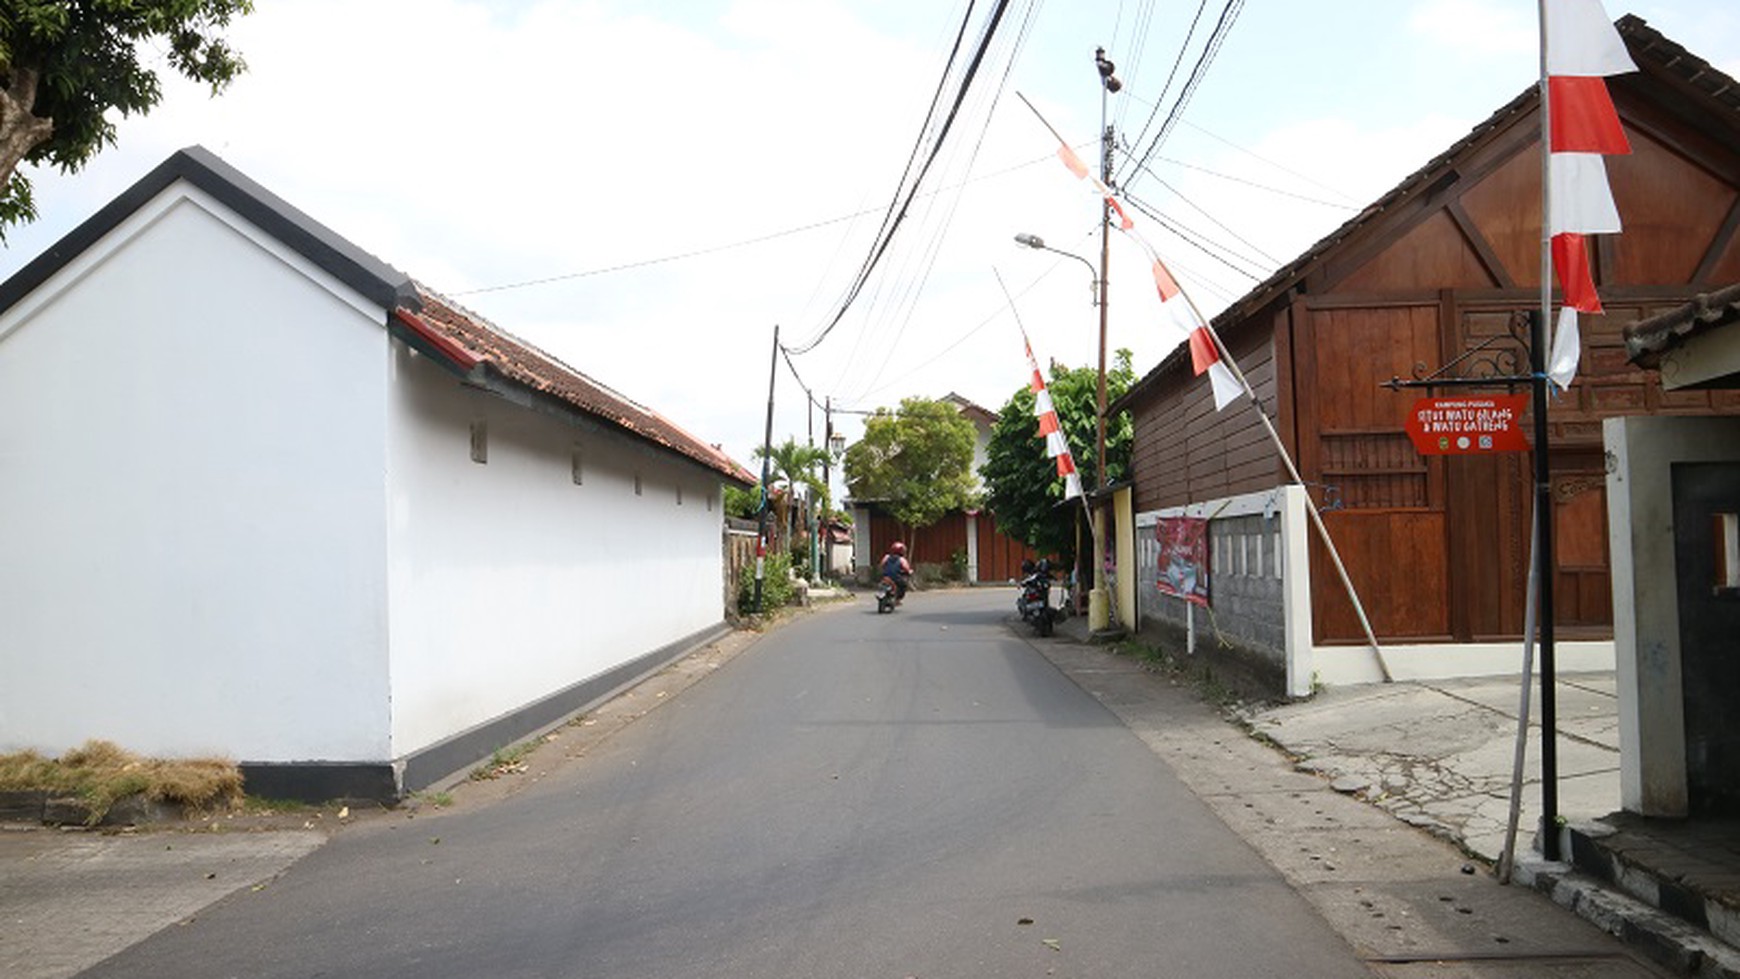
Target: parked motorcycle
x=887, y=595
x=1034, y=603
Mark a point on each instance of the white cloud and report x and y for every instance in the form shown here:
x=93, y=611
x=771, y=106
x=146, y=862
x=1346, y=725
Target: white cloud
x=1484, y=27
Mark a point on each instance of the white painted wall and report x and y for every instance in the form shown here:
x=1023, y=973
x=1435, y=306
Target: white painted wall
x=1309, y=665
x=191, y=529
x=1646, y=616
x=508, y=581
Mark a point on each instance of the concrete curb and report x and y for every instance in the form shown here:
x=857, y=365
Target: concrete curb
x=1664, y=938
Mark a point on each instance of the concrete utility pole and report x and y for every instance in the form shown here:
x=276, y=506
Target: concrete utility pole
x=1099, y=606
x=766, y=461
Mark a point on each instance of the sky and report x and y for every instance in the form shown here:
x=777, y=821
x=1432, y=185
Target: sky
x=647, y=190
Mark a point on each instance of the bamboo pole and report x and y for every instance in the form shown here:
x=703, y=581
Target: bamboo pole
x=1274, y=437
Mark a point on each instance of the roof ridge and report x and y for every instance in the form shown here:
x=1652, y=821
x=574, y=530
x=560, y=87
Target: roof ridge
x=494, y=327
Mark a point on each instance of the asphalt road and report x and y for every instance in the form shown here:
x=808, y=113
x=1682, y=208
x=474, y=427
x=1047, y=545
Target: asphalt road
x=914, y=795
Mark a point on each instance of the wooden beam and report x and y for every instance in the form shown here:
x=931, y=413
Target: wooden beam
x=1482, y=248
x=1718, y=247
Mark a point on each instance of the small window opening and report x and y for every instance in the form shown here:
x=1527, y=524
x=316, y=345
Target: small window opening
x=480, y=442
x=637, y=487
x=1725, y=533
x=577, y=467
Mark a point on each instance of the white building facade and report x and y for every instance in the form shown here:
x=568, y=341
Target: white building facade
x=265, y=497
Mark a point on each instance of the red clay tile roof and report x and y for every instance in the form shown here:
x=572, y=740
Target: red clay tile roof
x=465, y=340
x=469, y=340
x=1646, y=340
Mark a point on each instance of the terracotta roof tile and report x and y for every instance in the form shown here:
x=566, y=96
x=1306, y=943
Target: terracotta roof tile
x=480, y=342
x=1646, y=340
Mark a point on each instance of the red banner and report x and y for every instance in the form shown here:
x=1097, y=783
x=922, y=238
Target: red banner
x=1183, y=558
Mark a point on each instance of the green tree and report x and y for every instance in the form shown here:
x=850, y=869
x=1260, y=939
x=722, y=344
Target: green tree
x=741, y=503
x=917, y=461
x=64, y=65
x=1021, y=483
x=789, y=466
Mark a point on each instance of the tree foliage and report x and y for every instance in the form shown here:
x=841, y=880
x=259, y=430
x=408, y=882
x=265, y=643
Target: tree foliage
x=789, y=466
x=742, y=503
x=916, y=461
x=64, y=64
x=1021, y=483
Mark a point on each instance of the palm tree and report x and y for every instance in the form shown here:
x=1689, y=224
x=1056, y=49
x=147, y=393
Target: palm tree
x=792, y=465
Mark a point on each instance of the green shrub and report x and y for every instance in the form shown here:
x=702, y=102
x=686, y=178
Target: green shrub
x=958, y=565
x=776, y=589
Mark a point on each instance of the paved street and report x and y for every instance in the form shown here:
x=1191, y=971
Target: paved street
x=920, y=794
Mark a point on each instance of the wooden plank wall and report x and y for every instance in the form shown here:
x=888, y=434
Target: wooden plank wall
x=1184, y=451
x=1438, y=546
x=1000, y=555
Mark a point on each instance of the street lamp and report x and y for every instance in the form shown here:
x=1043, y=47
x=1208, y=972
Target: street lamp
x=1038, y=243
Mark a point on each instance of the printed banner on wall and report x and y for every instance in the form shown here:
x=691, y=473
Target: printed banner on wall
x=1183, y=558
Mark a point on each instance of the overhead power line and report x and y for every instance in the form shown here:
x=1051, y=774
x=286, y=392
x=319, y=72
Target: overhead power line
x=898, y=214
x=1228, y=15
x=1172, y=75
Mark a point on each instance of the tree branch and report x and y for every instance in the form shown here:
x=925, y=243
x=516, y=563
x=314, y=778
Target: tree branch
x=20, y=130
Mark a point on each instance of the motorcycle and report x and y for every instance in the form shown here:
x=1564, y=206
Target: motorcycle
x=1034, y=603
x=887, y=595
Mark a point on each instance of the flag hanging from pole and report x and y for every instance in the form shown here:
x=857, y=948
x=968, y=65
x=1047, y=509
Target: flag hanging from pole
x=1581, y=47
x=1080, y=169
x=1056, y=445
x=1204, y=349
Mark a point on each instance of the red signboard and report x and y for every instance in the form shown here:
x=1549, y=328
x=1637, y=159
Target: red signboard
x=1468, y=425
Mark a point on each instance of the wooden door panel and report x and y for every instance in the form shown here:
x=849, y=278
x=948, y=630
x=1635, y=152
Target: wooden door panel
x=1489, y=546
x=1397, y=562
x=1390, y=534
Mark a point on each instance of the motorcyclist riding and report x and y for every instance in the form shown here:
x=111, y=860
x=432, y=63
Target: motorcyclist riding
x=895, y=566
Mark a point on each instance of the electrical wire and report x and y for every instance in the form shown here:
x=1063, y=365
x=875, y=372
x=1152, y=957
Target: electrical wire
x=928, y=259
x=1228, y=16
x=1248, y=183
x=1352, y=204
x=1186, y=201
x=887, y=237
x=1044, y=158
x=1172, y=75
x=1195, y=239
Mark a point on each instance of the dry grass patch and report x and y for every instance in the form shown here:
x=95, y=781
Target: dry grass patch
x=100, y=773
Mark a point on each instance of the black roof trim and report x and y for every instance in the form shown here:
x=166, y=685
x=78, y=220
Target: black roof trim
x=376, y=280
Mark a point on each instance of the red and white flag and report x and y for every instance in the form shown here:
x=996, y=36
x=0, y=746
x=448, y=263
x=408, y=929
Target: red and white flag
x=1582, y=47
x=1080, y=169
x=1056, y=445
x=1204, y=350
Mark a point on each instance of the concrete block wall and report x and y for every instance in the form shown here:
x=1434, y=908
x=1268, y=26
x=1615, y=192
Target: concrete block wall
x=1248, y=587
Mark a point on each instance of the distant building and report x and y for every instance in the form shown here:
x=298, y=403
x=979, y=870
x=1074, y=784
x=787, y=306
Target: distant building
x=989, y=555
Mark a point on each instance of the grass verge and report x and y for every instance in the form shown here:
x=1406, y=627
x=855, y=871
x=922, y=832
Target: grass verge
x=100, y=774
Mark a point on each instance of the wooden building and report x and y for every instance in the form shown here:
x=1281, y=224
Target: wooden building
x=1434, y=271
x=985, y=553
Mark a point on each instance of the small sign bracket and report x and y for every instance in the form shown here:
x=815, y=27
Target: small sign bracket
x=1495, y=362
